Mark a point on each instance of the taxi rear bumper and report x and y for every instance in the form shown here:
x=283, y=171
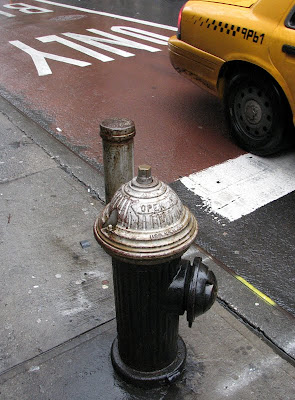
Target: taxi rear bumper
x=200, y=67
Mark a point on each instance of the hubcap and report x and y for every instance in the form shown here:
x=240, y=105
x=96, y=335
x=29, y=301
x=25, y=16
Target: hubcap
x=252, y=112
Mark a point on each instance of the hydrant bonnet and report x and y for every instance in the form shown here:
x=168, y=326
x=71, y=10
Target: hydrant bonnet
x=145, y=222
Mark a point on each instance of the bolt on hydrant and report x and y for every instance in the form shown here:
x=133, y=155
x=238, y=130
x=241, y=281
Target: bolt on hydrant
x=146, y=229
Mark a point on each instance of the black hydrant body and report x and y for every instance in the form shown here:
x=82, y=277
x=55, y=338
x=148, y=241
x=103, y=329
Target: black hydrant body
x=146, y=229
x=148, y=338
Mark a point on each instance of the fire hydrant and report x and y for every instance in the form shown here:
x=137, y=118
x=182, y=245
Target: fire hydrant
x=146, y=229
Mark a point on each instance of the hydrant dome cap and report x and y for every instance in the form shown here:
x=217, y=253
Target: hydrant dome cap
x=145, y=222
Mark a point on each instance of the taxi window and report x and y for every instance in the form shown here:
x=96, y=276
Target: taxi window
x=290, y=21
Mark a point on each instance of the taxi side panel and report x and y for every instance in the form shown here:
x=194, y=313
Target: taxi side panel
x=232, y=33
x=226, y=31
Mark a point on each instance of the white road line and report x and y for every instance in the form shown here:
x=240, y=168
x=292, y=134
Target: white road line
x=7, y=14
x=240, y=186
x=156, y=25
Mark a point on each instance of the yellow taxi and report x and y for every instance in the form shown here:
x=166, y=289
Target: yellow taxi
x=244, y=52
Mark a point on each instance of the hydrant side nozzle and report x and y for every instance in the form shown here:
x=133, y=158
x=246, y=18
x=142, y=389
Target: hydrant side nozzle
x=202, y=290
x=193, y=290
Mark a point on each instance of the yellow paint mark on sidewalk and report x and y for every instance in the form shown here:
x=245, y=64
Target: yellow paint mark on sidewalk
x=260, y=294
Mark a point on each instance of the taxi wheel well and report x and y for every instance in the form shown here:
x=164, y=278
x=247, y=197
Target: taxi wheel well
x=232, y=68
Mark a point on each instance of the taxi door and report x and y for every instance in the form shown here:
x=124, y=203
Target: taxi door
x=282, y=53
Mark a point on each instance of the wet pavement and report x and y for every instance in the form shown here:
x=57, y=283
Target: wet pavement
x=229, y=365
x=180, y=128
x=259, y=247
x=164, y=12
x=57, y=311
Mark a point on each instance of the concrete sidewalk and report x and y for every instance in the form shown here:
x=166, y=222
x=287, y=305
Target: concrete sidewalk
x=57, y=306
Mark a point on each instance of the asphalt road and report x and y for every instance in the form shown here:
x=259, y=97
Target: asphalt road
x=180, y=128
x=162, y=12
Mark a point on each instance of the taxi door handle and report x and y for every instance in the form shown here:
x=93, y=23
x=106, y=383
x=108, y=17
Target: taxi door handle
x=289, y=49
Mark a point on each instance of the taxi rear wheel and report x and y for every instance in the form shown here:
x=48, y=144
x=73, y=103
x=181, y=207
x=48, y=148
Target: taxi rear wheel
x=257, y=113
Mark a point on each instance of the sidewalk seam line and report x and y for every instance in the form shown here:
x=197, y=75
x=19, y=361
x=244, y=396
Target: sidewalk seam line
x=44, y=353
x=26, y=176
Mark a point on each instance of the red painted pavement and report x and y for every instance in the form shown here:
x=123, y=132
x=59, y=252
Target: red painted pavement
x=180, y=128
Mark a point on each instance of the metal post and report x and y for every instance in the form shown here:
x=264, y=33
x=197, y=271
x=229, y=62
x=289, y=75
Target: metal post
x=118, y=153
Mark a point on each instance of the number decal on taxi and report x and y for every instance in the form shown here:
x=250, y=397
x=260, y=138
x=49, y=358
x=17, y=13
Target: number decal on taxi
x=249, y=33
x=223, y=27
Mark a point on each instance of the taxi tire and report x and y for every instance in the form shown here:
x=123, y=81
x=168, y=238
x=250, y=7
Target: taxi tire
x=257, y=113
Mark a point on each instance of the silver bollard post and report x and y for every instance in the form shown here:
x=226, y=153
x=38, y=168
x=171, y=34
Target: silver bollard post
x=118, y=153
